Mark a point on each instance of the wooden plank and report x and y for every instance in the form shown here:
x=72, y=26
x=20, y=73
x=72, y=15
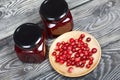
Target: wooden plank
x=101, y=20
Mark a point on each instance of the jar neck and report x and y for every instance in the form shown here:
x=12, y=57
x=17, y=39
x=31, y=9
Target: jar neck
x=59, y=20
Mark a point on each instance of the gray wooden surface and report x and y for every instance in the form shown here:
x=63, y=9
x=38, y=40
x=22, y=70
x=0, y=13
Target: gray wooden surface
x=100, y=18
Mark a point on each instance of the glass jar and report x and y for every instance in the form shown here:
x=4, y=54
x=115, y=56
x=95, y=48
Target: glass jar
x=29, y=41
x=56, y=17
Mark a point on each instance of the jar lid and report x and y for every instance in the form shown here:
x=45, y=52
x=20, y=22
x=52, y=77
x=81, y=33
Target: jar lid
x=53, y=9
x=27, y=35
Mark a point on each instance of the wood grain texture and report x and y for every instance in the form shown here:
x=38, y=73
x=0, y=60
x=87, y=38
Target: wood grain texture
x=100, y=18
x=16, y=12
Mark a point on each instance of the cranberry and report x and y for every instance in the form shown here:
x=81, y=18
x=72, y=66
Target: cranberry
x=72, y=58
x=67, y=44
x=91, y=58
x=84, y=57
x=74, y=50
x=64, y=56
x=94, y=50
x=86, y=53
x=65, y=52
x=77, y=59
x=61, y=50
x=61, y=58
x=58, y=44
x=88, y=39
x=77, y=55
x=60, y=53
x=75, y=46
x=85, y=45
x=81, y=42
x=68, y=56
x=61, y=61
x=69, y=47
x=71, y=40
x=70, y=69
x=72, y=63
x=54, y=53
x=90, y=54
x=57, y=60
x=73, y=43
x=79, y=51
x=77, y=64
x=68, y=64
x=87, y=49
x=81, y=55
x=82, y=36
x=87, y=66
x=84, y=61
x=90, y=62
x=82, y=65
x=63, y=42
x=76, y=41
x=64, y=47
x=69, y=52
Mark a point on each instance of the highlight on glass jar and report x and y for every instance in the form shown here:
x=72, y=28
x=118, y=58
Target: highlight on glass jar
x=56, y=17
x=29, y=41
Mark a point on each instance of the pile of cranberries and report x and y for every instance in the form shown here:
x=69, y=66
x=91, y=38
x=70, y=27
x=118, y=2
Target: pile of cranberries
x=74, y=52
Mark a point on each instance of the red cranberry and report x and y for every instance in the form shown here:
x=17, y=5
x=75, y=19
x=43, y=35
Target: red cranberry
x=70, y=69
x=87, y=66
x=88, y=39
x=68, y=64
x=69, y=52
x=94, y=50
x=90, y=53
x=71, y=40
x=82, y=35
x=90, y=62
x=82, y=65
x=81, y=55
x=84, y=61
x=65, y=52
x=57, y=60
x=76, y=41
x=77, y=59
x=60, y=53
x=87, y=49
x=69, y=47
x=72, y=63
x=61, y=61
x=91, y=58
x=64, y=56
x=77, y=64
x=85, y=45
x=72, y=58
x=58, y=44
x=77, y=55
x=63, y=42
x=86, y=53
x=54, y=53
x=79, y=51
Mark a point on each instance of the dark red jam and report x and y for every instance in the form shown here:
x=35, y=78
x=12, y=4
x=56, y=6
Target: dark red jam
x=56, y=17
x=29, y=41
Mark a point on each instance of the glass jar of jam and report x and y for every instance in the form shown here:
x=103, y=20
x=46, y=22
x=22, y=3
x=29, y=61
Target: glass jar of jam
x=56, y=17
x=29, y=41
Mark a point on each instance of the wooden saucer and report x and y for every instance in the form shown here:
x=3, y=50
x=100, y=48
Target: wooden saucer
x=77, y=71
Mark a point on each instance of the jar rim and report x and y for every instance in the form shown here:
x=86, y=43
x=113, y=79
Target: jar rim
x=53, y=9
x=27, y=35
